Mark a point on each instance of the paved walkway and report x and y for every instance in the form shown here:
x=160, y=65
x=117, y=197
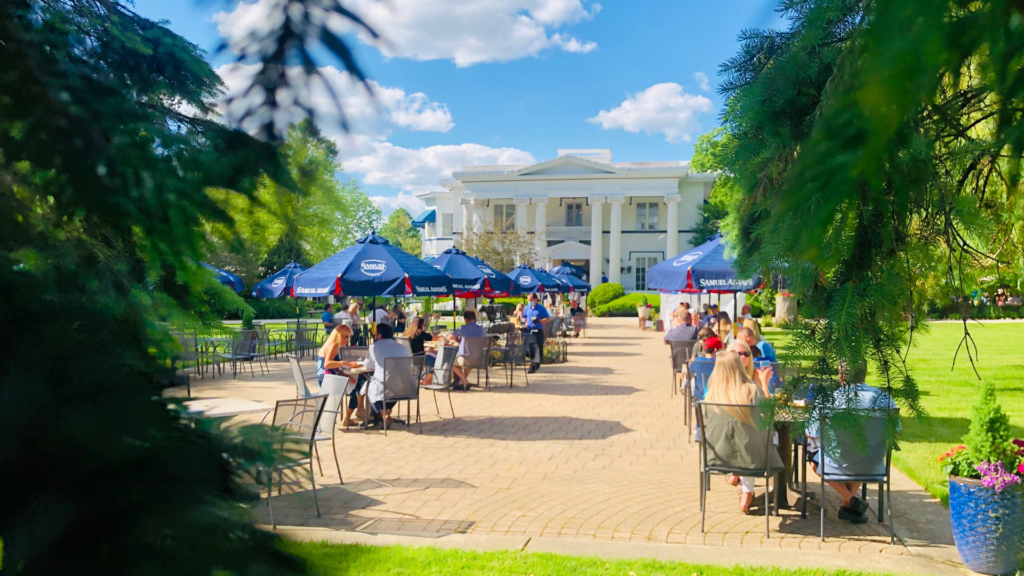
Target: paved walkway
x=591, y=450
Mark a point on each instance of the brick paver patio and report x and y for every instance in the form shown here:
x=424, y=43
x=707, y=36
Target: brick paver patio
x=592, y=449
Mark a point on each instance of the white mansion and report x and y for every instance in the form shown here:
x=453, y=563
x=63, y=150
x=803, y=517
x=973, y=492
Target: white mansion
x=611, y=218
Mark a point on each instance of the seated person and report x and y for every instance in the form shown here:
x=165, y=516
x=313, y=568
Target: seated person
x=327, y=363
x=747, y=336
x=763, y=376
x=384, y=346
x=723, y=327
x=707, y=343
x=469, y=330
x=683, y=330
x=576, y=312
x=745, y=313
x=418, y=337
x=736, y=428
x=711, y=318
x=852, y=393
x=328, y=318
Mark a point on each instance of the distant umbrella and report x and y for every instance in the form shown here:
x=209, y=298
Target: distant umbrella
x=529, y=280
x=568, y=269
x=278, y=284
x=372, y=267
x=472, y=277
x=226, y=278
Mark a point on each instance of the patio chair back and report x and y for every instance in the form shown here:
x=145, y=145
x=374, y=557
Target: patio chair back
x=244, y=344
x=443, y=365
x=402, y=378
x=189, y=346
x=353, y=353
x=301, y=390
x=681, y=352
x=859, y=438
x=300, y=416
x=335, y=388
x=477, y=351
x=701, y=369
x=720, y=453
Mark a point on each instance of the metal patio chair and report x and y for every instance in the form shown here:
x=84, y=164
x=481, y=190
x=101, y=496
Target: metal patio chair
x=243, y=349
x=300, y=418
x=402, y=382
x=443, y=376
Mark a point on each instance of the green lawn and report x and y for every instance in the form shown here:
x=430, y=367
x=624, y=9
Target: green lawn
x=338, y=559
x=948, y=395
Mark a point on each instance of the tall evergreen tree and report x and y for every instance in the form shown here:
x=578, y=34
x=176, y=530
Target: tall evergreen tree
x=104, y=184
x=867, y=138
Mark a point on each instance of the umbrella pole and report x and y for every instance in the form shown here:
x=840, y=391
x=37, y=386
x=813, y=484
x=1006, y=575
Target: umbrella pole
x=735, y=318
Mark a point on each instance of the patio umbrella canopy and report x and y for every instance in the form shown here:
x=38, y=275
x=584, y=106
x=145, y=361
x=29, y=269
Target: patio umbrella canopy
x=278, y=284
x=567, y=269
x=372, y=267
x=575, y=284
x=706, y=268
x=529, y=280
x=226, y=278
x=472, y=277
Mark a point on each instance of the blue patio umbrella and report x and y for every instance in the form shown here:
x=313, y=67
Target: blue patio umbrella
x=529, y=280
x=280, y=283
x=372, y=267
x=226, y=278
x=472, y=277
x=706, y=268
x=575, y=284
x=565, y=268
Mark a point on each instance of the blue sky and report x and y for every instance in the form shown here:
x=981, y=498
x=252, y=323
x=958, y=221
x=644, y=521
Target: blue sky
x=509, y=81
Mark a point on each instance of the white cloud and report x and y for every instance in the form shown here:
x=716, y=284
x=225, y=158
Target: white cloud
x=368, y=116
x=663, y=108
x=389, y=204
x=465, y=32
x=702, y=81
x=420, y=169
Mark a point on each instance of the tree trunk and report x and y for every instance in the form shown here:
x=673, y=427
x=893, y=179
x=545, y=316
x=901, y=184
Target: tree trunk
x=785, y=308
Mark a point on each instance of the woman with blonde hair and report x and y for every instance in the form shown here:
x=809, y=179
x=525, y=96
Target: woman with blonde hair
x=760, y=377
x=327, y=362
x=754, y=327
x=517, y=316
x=735, y=430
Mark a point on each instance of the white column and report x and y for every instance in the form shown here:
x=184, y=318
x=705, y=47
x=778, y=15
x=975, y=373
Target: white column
x=615, y=242
x=522, y=205
x=672, y=245
x=467, y=224
x=428, y=229
x=596, y=239
x=540, y=230
x=478, y=215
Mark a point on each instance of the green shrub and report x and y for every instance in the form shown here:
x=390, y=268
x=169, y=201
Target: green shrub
x=276, y=308
x=604, y=293
x=626, y=305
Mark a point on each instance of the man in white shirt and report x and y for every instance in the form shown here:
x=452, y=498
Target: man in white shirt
x=380, y=316
x=384, y=346
x=745, y=312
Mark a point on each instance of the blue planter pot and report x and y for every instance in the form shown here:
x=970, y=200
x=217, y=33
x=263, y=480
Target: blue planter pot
x=988, y=528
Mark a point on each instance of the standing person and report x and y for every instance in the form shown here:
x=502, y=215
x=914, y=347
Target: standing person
x=604, y=278
x=328, y=318
x=384, y=346
x=398, y=318
x=535, y=316
x=735, y=429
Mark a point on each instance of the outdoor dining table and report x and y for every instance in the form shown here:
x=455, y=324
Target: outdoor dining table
x=784, y=420
x=225, y=407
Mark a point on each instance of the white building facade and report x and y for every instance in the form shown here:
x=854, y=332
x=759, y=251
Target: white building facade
x=614, y=219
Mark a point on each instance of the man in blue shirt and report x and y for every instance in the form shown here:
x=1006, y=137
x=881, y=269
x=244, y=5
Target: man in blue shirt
x=761, y=348
x=851, y=394
x=535, y=317
x=328, y=318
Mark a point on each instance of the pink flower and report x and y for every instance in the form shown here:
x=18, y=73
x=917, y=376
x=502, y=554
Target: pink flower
x=1020, y=468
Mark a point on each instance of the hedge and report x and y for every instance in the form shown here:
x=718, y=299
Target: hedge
x=603, y=294
x=626, y=305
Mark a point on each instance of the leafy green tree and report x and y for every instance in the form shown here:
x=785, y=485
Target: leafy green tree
x=326, y=216
x=710, y=155
x=400, y=232
x=104, y=188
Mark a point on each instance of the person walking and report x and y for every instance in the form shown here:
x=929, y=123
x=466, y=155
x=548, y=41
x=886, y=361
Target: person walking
x=535, y=316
